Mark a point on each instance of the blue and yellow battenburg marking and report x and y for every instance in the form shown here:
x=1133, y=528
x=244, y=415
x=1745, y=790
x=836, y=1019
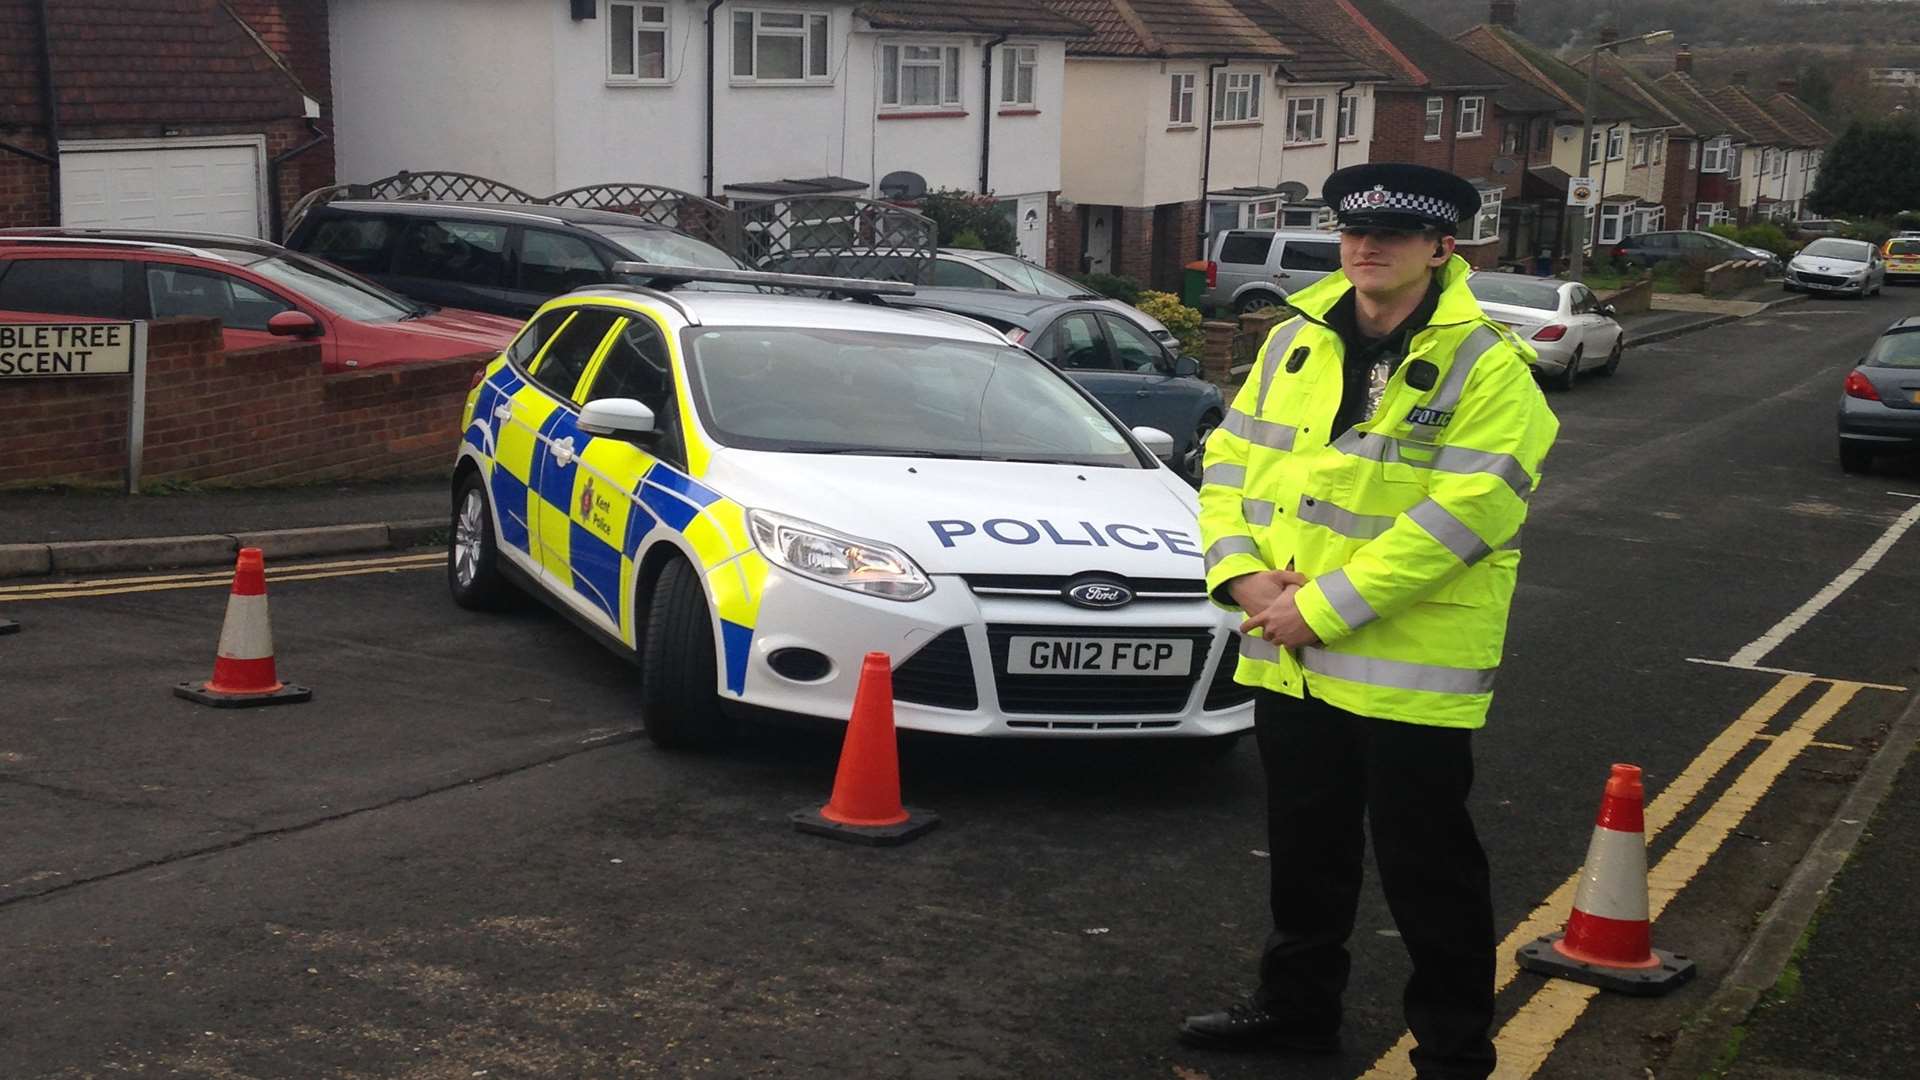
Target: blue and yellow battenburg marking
x=595, y=506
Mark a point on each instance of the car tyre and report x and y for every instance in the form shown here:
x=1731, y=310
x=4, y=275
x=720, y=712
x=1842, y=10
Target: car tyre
x=1255, y=301
x=678, y=665
x=1613, y=358
x=1855, y=458
x=473, y=554
x=1565, y=380
x=1197, y=452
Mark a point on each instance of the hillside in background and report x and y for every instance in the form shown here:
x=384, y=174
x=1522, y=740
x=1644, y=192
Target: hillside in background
x=1713, y=23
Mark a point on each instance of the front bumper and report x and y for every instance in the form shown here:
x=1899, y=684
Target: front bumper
x=949, y=659
x=1830, y=283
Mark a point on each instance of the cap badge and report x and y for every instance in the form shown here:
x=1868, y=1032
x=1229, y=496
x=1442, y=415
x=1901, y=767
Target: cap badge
x=1376, y=197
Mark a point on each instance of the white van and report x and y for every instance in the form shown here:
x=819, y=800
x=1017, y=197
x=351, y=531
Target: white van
x=1257, y=268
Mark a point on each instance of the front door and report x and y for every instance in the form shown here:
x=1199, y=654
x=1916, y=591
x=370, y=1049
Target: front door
x=1030, y=225
x=1099, y=240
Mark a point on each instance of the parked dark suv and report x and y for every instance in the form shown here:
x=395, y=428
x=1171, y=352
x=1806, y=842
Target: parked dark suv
x=1648, y=249
x=504, y=258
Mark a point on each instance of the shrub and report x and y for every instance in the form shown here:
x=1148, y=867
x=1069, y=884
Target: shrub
x=1124, y=289
x=1761, y=234
x=962, y=216
x=1177, y=317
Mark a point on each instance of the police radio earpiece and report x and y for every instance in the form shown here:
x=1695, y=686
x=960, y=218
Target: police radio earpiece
x=1439, y=248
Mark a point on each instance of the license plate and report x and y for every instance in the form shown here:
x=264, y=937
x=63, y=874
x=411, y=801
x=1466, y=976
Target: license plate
x=1099, y=656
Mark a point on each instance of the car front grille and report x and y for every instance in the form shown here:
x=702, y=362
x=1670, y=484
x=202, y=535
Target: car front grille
x=1821, y=279
x=1049, y=586
x=940, y=674
x=1223, y=692
x=1080, y=695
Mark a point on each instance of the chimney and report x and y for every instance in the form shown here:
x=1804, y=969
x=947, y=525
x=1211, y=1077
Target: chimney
x=1683, y=59
x=1787, y=86
x=1504, y=13
x=1739, y=78
x=1609, y=33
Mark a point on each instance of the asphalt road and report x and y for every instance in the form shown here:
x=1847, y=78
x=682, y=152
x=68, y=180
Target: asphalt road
x=461, y=859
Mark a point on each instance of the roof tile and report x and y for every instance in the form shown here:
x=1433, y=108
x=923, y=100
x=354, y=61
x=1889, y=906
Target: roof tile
x=991, y=16
x=1168, y=28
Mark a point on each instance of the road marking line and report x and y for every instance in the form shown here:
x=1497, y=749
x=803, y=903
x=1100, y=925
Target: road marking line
x=1801, y=674
x=1904, y=494
x=1547, y=1016
x=213, y=575
x=170, y=582
x=1786, y=627
x=1816, y=744
x=1551, y=914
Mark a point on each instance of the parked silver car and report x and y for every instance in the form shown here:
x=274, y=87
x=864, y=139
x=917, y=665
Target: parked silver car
x=962, y=268
x=1563, y=320
x=1833, y=265
x=1880, y=403
x=1257, y=268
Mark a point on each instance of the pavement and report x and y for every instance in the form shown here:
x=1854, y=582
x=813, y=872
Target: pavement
x=462, y=858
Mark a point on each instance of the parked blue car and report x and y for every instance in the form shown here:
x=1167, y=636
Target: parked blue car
x=1135, y=376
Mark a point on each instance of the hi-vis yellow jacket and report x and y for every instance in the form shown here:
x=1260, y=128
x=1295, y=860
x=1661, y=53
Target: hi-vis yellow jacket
x=1407, y=526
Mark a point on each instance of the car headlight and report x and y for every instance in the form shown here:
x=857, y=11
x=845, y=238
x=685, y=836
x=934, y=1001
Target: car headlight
x=833, y=558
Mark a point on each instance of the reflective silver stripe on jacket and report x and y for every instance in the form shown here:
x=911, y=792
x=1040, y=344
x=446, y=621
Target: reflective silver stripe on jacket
x=1462, y=461
x=1452, y=533
x=1394, y=674
x=1227, y=546
x=1259, y=432
x=1447, y=397
x=1256, y=511
x=1346, y=599
x=1344, y=522
x=1225, y=473
x=1368, y=446
x=1254, y=648
x=1277, y=347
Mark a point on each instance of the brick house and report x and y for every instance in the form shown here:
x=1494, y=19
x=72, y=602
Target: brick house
x=1445, y=107
x=1157, y=90
x=160, y=113
x=1717, y=185
x=1753, y=160
x=1796, y=176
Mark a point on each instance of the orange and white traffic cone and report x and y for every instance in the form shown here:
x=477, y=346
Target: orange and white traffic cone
x=865, y=807
x=243, y=669
x=1608, y=941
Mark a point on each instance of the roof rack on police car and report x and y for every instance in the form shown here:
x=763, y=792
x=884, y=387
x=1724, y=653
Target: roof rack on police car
x=95, y=241
x=666, y=277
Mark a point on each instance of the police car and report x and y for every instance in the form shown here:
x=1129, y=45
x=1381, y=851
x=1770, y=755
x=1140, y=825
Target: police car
x=748, y=492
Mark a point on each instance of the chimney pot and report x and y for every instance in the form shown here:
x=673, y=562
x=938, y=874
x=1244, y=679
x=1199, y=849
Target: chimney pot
x=1609, y=33
x=1504, y=13
x=1788, y=86
x=1683, y=59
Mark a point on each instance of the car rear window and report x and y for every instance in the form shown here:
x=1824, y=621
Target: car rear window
x=1900, y=350
x=1245, y=248
x=1315, y=255
x=1530, y=294
x=358, y=243
x=94, y=287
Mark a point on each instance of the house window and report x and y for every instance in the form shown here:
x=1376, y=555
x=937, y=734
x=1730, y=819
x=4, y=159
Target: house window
x=779, y=46
x=1715, y=160
x=1017, y=66
x=1486, y=224
x=1436, y=116
x=1639, y=151
x=1734, y=154
x=1659, y=149
x=1612, y=222
x=1616, y=143
x=1473, y=116
x=920, y=76
x=1349, y=122
x=636, y=42
x=1766, y=161
x=1594, y=144
x=1780, y=163
x=1237, y=97
x=1512, y=134
x=1264, y=214
x=1180, y=108
x=1710, y=213
x=1222, y=215
x=1305, y=117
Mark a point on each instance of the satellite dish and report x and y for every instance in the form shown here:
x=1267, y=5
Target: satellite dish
x=1292, y=190
x=903, y=185
x=1504, y=165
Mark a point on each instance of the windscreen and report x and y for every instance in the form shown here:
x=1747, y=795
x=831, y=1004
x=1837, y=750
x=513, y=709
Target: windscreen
x=1901, y=350
x=343, y=294
x=804, y=390
x=1531, y=294
x=1033, y=279
x=1851, y=250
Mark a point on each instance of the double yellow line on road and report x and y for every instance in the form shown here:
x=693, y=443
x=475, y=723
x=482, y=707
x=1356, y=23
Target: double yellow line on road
x=62, y=590
x=1527, y=1039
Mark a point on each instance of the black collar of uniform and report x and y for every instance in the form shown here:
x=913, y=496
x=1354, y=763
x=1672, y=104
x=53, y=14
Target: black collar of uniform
x=1343, y=319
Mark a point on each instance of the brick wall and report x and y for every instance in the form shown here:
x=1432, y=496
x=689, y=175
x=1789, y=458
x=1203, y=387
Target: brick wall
x=297, y=30
x=1176, y=234
x=1067, y=238
x=256, y=416
x=1681, y=189
x=1133, y=242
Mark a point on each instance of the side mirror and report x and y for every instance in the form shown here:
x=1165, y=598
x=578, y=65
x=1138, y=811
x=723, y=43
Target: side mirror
x=1157, y=442
x=295, y=324
x=1185, y=367
x=1605, y=309
x=623, y=418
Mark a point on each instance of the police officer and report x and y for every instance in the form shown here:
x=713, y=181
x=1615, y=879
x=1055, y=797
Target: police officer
x=1361, y=506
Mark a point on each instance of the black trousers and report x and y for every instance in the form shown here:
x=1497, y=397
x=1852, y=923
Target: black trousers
x=1326, y=768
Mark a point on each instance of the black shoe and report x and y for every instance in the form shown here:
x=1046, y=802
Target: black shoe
x=1246, y=1026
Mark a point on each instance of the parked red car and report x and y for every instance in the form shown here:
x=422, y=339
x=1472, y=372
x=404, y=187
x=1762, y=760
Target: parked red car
x=260, y=291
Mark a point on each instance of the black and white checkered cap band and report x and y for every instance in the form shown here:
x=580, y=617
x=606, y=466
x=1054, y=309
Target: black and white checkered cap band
x=1380, y=199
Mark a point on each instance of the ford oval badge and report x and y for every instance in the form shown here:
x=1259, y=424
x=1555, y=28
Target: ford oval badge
x=1099, y=594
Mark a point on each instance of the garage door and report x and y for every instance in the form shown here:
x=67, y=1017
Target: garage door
x=197, y=188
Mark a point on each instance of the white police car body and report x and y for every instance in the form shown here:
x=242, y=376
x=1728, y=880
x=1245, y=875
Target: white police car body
x=823, y=479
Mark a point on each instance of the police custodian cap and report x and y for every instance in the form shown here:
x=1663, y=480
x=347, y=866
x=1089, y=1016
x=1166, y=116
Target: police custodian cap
x=1395, y=196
